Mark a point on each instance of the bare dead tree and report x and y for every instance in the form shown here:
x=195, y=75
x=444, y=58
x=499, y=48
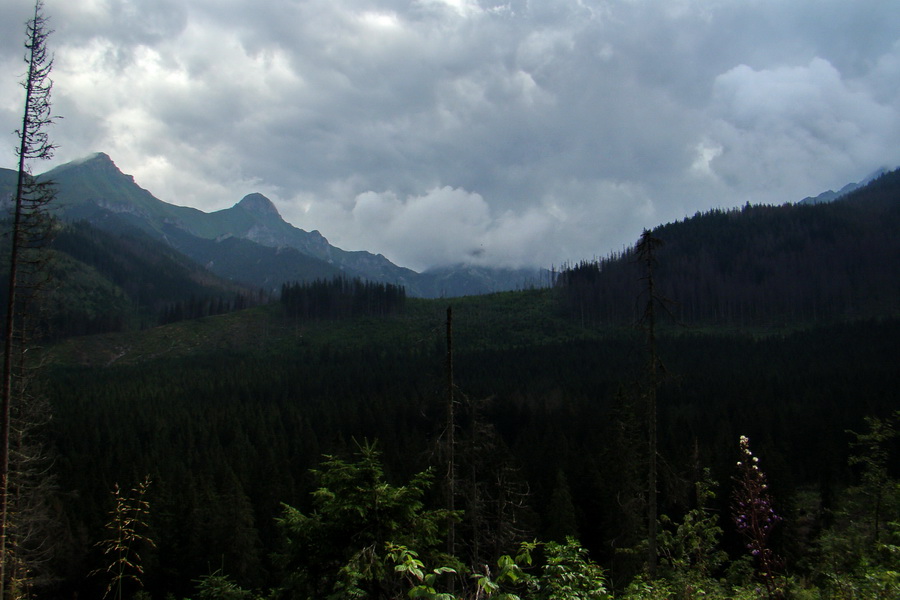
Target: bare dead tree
x=30, y=225
x=34, y=528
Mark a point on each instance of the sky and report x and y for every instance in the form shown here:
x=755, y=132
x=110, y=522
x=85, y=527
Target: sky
x=503, y=133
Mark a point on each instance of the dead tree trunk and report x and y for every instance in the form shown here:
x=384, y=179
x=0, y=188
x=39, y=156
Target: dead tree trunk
x=28, y=221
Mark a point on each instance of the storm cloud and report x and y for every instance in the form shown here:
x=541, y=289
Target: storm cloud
x=444, y=131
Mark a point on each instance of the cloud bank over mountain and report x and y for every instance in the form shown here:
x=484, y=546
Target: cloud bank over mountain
x=443, y=131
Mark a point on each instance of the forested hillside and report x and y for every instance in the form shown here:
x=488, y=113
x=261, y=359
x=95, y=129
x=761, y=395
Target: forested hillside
x=100, y=282
x=761, y=265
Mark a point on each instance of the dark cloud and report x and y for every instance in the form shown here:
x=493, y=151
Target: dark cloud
x=438, y=131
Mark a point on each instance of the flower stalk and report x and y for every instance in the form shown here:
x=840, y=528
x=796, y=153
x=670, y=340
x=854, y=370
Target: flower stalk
x=755, y=518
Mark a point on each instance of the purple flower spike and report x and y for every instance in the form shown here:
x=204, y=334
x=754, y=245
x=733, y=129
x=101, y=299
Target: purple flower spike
x=754, y=516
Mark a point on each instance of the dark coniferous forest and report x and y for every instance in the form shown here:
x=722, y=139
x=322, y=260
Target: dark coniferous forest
x=760, y=265
x=341, y=297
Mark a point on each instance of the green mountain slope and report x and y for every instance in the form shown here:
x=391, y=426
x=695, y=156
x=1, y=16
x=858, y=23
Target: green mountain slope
x=94, y=187
x=111, y=282
x=94, y=184
x=8, y=179
x=256, y=265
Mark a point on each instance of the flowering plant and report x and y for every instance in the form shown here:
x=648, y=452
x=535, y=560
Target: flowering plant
x=755, y=516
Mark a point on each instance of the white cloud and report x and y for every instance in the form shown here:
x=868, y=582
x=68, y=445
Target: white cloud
x=463, y=8
x=442, y=226
x=798, y=123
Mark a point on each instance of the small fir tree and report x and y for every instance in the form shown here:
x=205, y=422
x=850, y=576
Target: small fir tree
x=338, y=550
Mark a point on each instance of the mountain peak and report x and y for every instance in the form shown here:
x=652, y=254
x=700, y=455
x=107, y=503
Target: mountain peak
x=97, y=159
x=259, y=205
x=875, y=175
x=98, y=156
x=831, y=195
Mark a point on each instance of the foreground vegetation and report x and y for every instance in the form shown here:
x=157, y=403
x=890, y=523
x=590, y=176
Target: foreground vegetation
x=366, y=538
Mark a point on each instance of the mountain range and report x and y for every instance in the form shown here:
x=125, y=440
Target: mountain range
x=831, y=195
x=126, y=259
x=248, y=243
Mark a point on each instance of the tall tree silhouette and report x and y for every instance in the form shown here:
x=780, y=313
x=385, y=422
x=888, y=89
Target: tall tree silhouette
x=451, y=442
x=646, y=248
x=29, y=225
